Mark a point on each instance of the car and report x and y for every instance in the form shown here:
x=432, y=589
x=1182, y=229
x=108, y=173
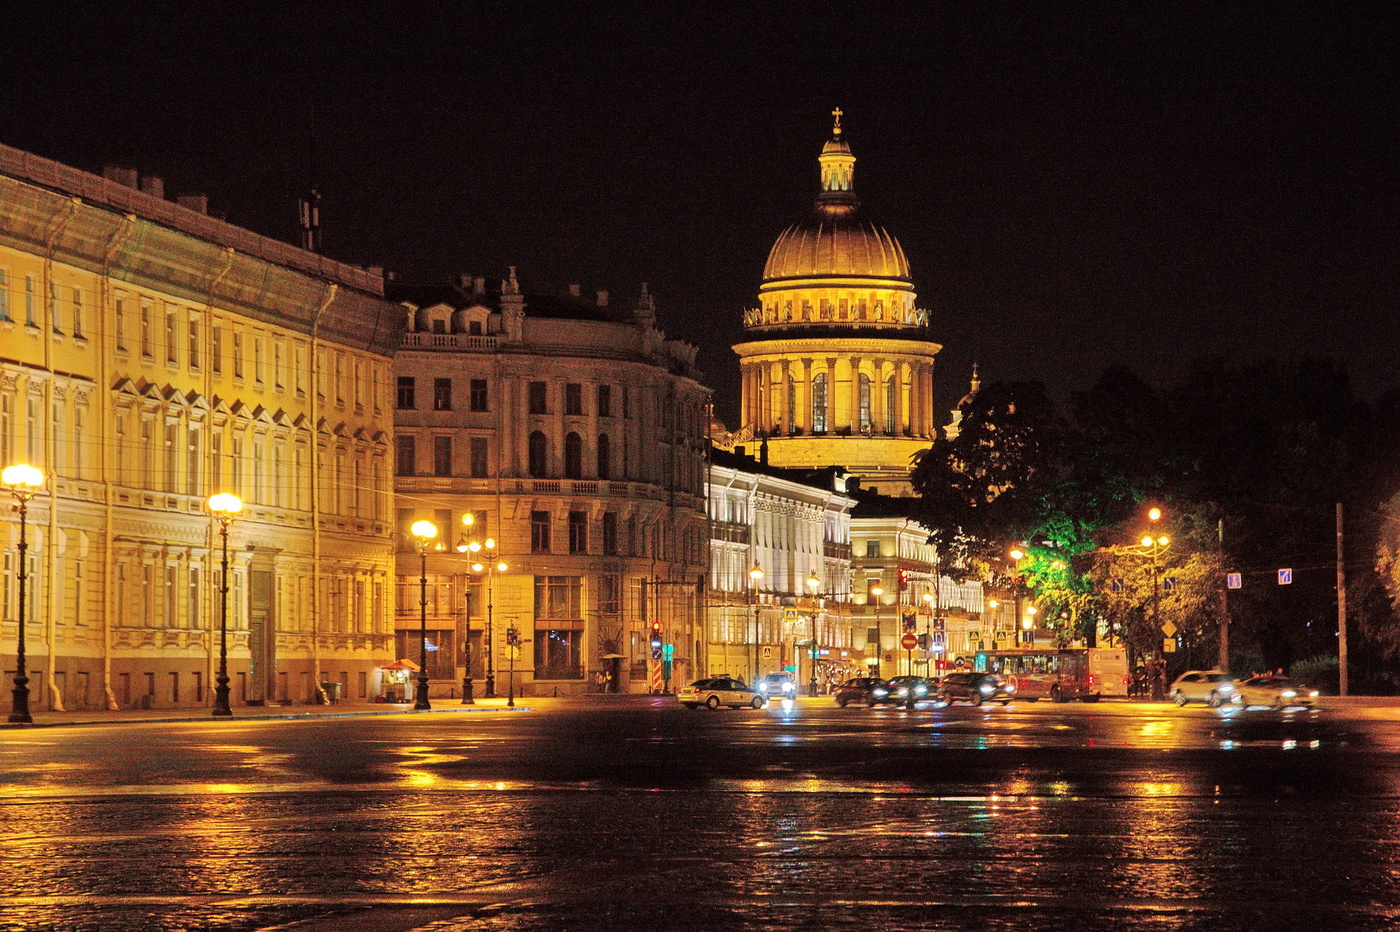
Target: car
x=902, y=686
x=1213, y=687
x=716, y=691
x=976, y=688
x=870, y=690
x=1278, y=692
x=778, y=686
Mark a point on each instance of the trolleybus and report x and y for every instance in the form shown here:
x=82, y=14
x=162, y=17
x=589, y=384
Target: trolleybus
x=1060, y=673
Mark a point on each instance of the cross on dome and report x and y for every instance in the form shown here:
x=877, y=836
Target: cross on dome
x=836, y=130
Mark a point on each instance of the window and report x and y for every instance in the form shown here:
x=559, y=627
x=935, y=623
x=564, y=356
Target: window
x=217, y=351
x=604, y=457
x=872, y=549
x=238, y=354
x=573, y=398
x=480, y=468
x=406, y=401
x=865, y=422
x=605, y=401
x=146, y=348
x=819, y=403
x=193, y=349
x=539, y=398
x=407, y=456
x=578, y=532
x=573, y=456
x=539, y=456
x=442, y=394
x=558, y=627
x=55, y=314
x=791, y=386
x=442, y=456
x=77, y=312
x=258, y=361
x=479, y=397
x=172, y=348
x=610, y=533
x=559, y=597
x=5, y=302
x=539, y=532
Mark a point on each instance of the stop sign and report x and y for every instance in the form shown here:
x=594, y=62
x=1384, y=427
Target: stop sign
x=909, y=642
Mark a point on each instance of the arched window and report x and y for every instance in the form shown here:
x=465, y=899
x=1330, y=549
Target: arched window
x=819, y=403
x=604, y=457
x=891, y=395
x=573, y=456
x=865, y=420
x=539, y=455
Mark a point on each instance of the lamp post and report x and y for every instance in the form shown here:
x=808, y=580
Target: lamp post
x=465, y=546
x=756, y=575
x=223, y=506
x=23, y=481
x=814, y=583
x=484, y=560
x=423, y=534
x=876, y=592
x=1154, y=547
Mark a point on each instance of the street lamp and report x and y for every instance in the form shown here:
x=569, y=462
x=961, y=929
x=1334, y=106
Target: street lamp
x=465, y=546
x=813, y=583
x=755, y=574
x=223, y=506
x=23, y=481
x=484, y=560
x=1154, y=547
x=424, y=532
x=876, y=592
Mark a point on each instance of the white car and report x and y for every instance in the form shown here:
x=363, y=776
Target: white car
x=1276, y=692
x=1213, y=687
x=716, y=691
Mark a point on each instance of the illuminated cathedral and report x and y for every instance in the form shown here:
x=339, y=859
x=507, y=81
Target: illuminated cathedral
x=836, y=362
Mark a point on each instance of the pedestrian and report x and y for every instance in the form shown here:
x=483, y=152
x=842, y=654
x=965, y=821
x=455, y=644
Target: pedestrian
x=598, y=680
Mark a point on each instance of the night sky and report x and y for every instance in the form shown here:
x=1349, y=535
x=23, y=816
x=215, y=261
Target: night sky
x=1074, y=186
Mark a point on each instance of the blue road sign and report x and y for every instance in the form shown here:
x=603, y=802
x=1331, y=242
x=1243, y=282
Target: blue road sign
x=1233, y=581
x=1116, y=584
x=1285, y=577
x=939, y=624
x=1169, y=583
x=656, y=653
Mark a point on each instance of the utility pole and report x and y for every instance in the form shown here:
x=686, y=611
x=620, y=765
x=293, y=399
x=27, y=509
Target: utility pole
x=1224, y=663
x=1341, y=607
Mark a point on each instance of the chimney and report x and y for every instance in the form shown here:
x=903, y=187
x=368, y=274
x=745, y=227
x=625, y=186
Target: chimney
x=199, y=203
x=602, y=299
x=575, y=290
x=464, y=282
x=121, y=175
x=479, y=285
x=153, y=185
x=376, y=270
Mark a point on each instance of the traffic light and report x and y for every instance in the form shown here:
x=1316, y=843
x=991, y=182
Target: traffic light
x=656, y=635
x=903, y=579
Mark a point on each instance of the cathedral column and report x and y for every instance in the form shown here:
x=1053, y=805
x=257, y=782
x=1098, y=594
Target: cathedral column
x=926, y=399
x=901, y=398
x=916, y=407
x=804, y=398
x=877, y=398
x=855, y=395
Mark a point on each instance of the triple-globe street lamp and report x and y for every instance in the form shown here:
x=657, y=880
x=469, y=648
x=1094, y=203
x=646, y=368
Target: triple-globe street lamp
x=223, y=507
x=23, y=481
x=755, y=577
x=484, y=559
x=814, y=583
x=424, y=532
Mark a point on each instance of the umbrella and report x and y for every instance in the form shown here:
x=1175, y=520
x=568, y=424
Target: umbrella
x=404, y=664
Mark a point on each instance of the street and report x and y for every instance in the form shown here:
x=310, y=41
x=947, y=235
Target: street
x=630, y=812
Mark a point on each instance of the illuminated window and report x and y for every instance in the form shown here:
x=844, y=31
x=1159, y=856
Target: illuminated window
x=819, y=403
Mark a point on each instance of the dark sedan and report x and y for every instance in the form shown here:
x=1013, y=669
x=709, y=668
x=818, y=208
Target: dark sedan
x=976, y=688
x=869, y=690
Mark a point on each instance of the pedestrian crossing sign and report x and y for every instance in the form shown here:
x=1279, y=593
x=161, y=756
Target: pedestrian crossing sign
x=1233, y=581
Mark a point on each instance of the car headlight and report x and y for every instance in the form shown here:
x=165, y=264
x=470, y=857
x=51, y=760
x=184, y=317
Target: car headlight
x=788, y=687
x=1313, y=694
x=763, y=687
x=920, y=690
x=1288, y=694
x=1225, y=688
x=1009, y=687
x=988, y=688
x=879, y=692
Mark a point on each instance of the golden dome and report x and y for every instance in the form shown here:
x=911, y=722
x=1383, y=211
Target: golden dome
x=833, y=240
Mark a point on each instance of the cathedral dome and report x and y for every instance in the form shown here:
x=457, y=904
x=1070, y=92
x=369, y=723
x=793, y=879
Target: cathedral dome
x=833, y=240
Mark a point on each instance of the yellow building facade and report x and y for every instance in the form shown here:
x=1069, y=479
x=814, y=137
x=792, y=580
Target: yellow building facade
x=150, y=356
x=836, y=365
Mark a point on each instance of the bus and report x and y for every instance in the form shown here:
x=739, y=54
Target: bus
x=1060, y=673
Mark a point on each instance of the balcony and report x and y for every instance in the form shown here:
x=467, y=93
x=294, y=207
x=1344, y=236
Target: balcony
x=449, y=341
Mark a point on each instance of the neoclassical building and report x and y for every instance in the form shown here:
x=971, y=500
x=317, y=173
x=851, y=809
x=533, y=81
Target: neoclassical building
x=772, y=530
x=151, y=355
x=836, y=363
x=574, y=434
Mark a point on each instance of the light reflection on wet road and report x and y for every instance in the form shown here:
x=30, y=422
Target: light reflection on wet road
x=637, y=814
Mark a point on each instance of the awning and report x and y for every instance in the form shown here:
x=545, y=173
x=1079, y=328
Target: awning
x=404, y=664
x=613, y=657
